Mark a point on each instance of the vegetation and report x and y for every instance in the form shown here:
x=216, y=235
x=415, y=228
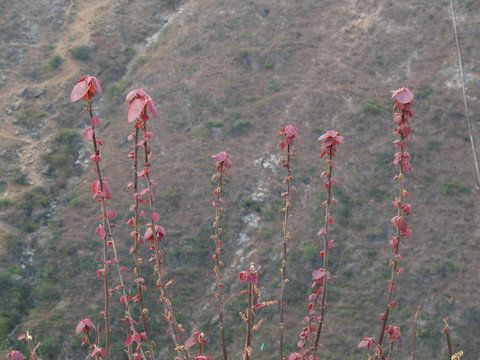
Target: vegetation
x=31, y=117
x=61, y=160
x=81, y=52
x=54, y=62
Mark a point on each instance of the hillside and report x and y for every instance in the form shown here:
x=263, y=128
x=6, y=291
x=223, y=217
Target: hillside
x=228, y=75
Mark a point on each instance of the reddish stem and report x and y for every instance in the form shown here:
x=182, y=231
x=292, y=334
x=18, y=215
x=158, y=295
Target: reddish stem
x=218, y=264
x=325, y=256
x=286, y=236
x=174, y=327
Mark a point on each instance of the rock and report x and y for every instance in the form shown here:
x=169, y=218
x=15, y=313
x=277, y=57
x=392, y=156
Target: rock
x=23, y=93
x=39, y=93
x=16, y=106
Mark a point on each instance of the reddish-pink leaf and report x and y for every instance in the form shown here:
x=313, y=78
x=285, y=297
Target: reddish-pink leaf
x=135, y=109
x=96, y=85
x=318, y=274
x=79, y=90
x=95, y=121
x=88, y=134
x=190, y=342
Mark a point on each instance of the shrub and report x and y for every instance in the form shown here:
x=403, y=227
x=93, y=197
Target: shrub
x=81, y=52
x=54, y=62
x=62, y=159
x=372, y=107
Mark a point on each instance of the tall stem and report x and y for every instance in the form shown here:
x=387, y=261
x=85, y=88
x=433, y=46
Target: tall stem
x=253, y=295
x=109, y=241
x=394, y=262
x=106, y=226
x=286, y=236
x=174, y=327
x=325, y=256
x=136, y=244
x=218, y=275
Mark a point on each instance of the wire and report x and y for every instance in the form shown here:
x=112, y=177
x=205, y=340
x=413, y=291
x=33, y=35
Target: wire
x=469, y=125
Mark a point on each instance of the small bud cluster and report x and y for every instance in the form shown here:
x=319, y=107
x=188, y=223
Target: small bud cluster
x=251, y=277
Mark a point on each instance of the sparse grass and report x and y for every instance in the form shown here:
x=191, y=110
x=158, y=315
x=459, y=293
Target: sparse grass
x=142, y=60
x=213, y=124
x=372, y=107
x=451, y=188
x=172, y=197
x=232, y=116
x=309, y=252
x=175, y=120
x=4, y=203
x=62, y=159
x=240, y=126
x=274, y=86
x=251, y=205
x=425, y=93
x=81, y=52
x=54, y=62
x=116, y=90
x=30, y=117
x=19, y=176
x=268, y=65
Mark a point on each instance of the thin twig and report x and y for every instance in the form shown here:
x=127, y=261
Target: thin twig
x=414, y=341
x=446, y=327
x=469, y=124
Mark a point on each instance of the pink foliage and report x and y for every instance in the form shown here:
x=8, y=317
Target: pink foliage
x=85, y=88
x=289, y=133
x=85, y=325
x=139, y=102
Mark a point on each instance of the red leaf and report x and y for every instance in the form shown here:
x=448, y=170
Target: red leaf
x=135, y=109
x=79, y=90
x=190, y=342
x=95, y=121
x=88, y=134
x=129, y=341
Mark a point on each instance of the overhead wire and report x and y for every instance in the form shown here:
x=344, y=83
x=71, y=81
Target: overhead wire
x=469, y=124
